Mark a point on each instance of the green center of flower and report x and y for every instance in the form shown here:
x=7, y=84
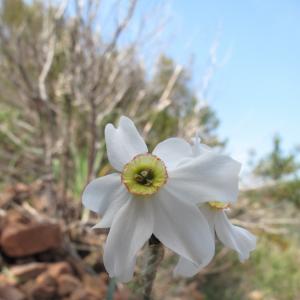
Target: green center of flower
x=218, y=205
x=144, y=175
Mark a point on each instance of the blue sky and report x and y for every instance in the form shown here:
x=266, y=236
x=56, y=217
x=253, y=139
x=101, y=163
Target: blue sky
x=256, y=90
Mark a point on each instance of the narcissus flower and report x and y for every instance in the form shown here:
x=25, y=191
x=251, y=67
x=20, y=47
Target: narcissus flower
x=157, y=194
x=233, y=237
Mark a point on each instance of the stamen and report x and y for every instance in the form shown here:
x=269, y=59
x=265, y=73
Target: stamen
x=144, y=177
x=218, y=205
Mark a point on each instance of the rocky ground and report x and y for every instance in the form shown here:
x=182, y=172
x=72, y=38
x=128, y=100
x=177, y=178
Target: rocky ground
x=46, y=258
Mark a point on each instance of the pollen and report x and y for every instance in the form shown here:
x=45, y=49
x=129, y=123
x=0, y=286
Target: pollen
x=218, y=205
x=144, y=175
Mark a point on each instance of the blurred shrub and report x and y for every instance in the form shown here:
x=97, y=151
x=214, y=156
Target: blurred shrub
x=279, y=191
x=277, y=272
x=272, y=273
x=276, y=164
x=289, y=191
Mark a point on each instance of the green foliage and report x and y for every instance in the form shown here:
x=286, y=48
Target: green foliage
x=277, y=272
x=289, y=191
x=281, y=191
x=225, y=285
x=80, y=176
x=272, y=271
x=13, y=12
x=276, y=164
x=164, y=126
x=182, y=95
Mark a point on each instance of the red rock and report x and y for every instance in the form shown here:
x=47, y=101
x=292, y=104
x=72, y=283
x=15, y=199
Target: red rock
x=95, y=285
x=28, y=271
x=45, y=288
x=21, y=188
x=13, y=193
x=122, y=294
x=6, y=196
x=81, y=294
x=3, y=216
x=8, y=292
x=14, y=216
x=56, y=269
x=67, y=284
x=26, y=239
x=46, y=279
x=27, y=288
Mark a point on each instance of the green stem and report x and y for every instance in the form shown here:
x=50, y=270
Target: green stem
x=111, y=289
x=154, y=256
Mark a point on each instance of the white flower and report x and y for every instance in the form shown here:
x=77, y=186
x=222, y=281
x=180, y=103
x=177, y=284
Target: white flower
x=233, y=237
x=156, y=194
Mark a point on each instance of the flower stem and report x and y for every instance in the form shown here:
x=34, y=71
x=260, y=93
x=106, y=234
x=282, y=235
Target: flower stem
x=111, y=289
x=153, y=258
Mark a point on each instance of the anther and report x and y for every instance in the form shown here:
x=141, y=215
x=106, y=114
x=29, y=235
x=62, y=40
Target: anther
x=144, y=177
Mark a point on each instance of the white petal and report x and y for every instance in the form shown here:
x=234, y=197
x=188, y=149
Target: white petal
x=126, y=274
x=123, y=143
x=208, y=177
x=131, y=228
x=209, y=215
x=112, y=210
x=100, y=192
x=199, y=149
x=181, y=227
x=185, y=267
x=172, y=150
x=234, y=237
